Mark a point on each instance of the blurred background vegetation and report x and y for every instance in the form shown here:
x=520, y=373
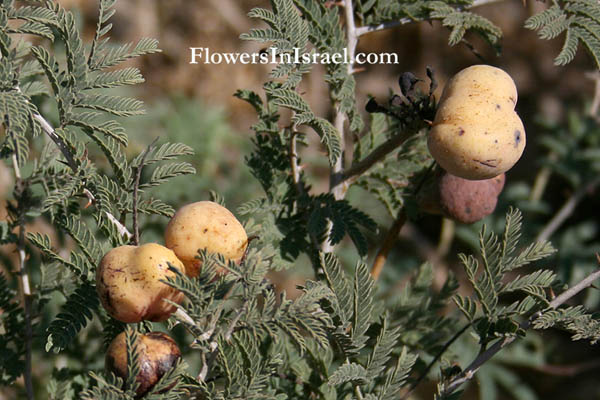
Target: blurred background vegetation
x=194, y=104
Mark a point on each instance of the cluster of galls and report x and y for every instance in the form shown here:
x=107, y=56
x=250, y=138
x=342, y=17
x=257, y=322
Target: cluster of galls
x=476, y=136
x=128, y=281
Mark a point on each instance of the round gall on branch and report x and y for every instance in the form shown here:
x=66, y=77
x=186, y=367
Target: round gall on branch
x=157, y=353
x=476, y=133
x=205, y=225
x=462, y=200
x=128, y=282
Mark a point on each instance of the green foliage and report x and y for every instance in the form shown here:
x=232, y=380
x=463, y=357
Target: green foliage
x=12, y=348
x=74, y=316
x=452, y=14
x=499, y=257
x=460, y=22
x=345, y=335
x=578, y=19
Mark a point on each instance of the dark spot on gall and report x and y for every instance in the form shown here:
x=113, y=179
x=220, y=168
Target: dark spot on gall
x=487, y=163
x=205, y=230
x=517, y=138
x=498, y=106
x=461, y=131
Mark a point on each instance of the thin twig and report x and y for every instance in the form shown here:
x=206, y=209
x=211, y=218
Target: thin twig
x=376, y=155
x=566, y=210
x=446, y=237
x=24, y=286
x=568, y=370
x=62, y=146
x=593, y=111
x=214, y=346
x=483, y=357
x=120, y=227
x=336, y=185
x=296, y=169
x=136, y=186
x=424, y=374
x=388, y=244
x=541, y=182
x=392, y=235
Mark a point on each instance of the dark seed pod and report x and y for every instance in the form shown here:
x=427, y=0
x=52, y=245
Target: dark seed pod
x=157, y=353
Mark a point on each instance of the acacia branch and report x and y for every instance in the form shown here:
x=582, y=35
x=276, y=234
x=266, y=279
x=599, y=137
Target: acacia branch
x=375, y=156
x=470, y=371
x=60, y=143
x=392, y=235
x=439, y=355
x=388, y=244
x=296, y=168
x=336, y=185
x=64, y=149
x=566, y=210
x=363, y=30
x=23, y=278
x=62, y=146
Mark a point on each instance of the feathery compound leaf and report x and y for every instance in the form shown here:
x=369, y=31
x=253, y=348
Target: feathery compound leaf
x=265, y=15
x=395, y=380
x=580, y=19
x=17, y=120
x=133, y=364
x=363, y=304
x=156, y=207
x=105, y=56
x=116, y=105
x=533, y=252
x=569, y=49
x=382, y=351
x=462, y=21
x=163, y=173
x=466, y=305
x=73, y=317
x=84, y=238
x=42, y=242
x=33, y=28
x=353, y=373
x=498, y=259
x=541, y=278
x=110, y=128
x=40, y=15
x=329, y=136
x=76, y=58
x=165, y=152
x=336, y=279
x=111, y=79
x=575, y=320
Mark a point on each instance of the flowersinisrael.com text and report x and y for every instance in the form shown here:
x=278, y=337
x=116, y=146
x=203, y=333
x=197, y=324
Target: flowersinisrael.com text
x=203, y=55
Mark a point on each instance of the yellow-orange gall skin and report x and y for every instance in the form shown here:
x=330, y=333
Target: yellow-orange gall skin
x=157, y=353
x=205, y=225
x=128, y=282
x=476, y=133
